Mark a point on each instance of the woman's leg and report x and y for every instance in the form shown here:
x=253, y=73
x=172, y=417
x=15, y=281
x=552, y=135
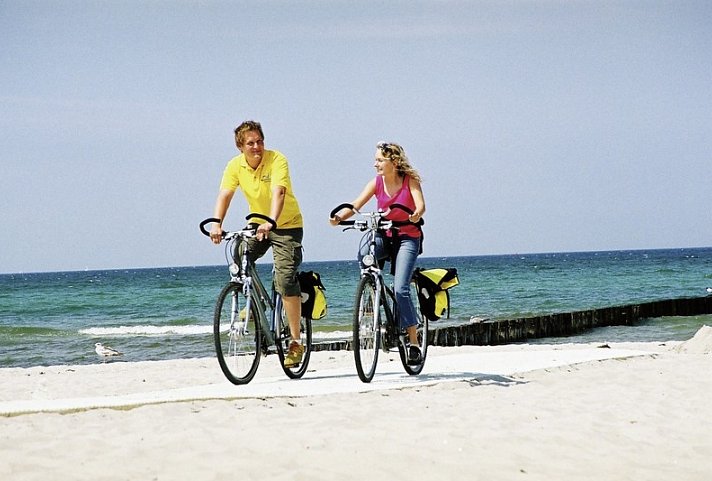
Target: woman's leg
x=405, y=264
x=382, y=252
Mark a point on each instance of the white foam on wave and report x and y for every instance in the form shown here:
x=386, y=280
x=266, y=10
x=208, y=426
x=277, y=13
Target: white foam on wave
x=331, y=335
x=147, y=330
x=189, y=330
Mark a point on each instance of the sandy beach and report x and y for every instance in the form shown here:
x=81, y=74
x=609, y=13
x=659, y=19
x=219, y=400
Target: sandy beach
x=627, y=411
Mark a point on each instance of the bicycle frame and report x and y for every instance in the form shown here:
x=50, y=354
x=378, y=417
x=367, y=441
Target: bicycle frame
x=384, y=295
x=372, y=296
x=245, y=301
x=245, y=273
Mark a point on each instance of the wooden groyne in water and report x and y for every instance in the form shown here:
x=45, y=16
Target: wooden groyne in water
x=503, y=331
x=491, y=332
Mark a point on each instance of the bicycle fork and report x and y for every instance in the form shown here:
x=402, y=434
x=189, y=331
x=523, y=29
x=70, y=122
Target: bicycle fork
x=238, y=317
x=383, y=319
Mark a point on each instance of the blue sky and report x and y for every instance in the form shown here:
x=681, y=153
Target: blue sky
x=538, y=126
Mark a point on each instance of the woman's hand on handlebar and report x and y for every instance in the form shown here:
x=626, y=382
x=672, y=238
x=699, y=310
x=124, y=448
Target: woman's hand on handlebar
x=414, y=217
x=335, y=219
x=340, y=214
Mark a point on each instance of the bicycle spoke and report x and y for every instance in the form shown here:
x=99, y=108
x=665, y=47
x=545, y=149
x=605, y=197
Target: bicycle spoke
x=422, y=330
x=366, y=330
x=237, y=335
x=284, y=338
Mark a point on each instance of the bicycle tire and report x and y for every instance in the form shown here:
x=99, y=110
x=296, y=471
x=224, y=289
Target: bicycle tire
x=414, y=369
x=366, y=329
x=284, y=338
x=238, y=344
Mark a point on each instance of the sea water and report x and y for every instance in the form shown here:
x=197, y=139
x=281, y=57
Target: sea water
x=166, y=313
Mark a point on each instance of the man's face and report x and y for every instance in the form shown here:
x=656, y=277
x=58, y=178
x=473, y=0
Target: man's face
x=253, y=147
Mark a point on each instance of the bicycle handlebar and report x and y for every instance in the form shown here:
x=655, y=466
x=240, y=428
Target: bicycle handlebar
x=263, y=217
x=210, y=220
x=396, y=223
x=343, y=206
x=207, y=221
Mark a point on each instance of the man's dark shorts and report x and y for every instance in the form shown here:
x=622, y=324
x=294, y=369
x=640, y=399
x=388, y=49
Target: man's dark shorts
x=287, y=254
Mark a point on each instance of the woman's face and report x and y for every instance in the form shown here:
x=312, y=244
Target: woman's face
x=382, y=164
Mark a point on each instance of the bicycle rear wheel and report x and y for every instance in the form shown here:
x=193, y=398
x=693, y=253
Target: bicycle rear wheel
x=422, y=329
x=284, y=337
x=366, y=329
x=237, y=335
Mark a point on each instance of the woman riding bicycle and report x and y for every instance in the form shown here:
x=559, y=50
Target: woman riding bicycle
x=396, y=182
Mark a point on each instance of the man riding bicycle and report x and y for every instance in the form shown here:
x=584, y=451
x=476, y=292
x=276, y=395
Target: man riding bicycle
x=263, y=176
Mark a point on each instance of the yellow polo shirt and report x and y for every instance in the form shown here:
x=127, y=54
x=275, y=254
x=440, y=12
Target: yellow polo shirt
x=257, y=184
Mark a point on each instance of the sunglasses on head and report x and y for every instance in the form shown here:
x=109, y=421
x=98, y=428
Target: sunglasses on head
x=386, y=148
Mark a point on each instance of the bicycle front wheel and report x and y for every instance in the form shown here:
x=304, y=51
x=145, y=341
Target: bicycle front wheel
x=237, y=335
x=284, y=337
x=366, y=329
x=422, y=330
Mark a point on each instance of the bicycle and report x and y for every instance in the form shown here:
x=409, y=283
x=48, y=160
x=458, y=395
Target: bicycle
x=375, y=324
x=242, y=329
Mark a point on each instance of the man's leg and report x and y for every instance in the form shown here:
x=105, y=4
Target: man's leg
x=287, y=251
x=293, y=307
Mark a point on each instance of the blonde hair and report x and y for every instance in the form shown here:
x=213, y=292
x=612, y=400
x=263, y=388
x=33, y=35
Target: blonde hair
x=247, y=126
x=396, y=154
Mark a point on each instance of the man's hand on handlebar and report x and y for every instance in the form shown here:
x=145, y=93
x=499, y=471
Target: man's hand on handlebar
x=216, y=233
x=263, y=231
